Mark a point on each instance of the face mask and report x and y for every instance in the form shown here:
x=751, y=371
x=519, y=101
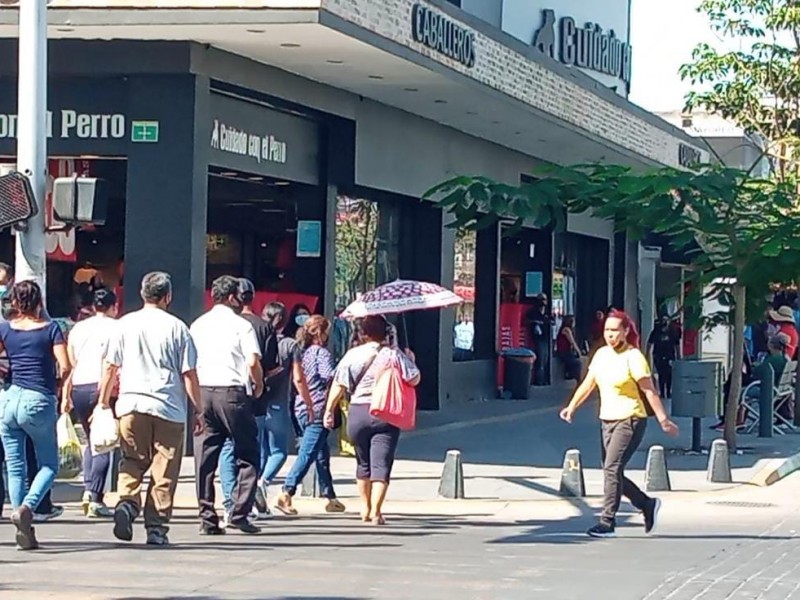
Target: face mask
x=300, y=320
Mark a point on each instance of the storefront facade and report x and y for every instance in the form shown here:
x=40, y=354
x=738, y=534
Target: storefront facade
x=294, y=146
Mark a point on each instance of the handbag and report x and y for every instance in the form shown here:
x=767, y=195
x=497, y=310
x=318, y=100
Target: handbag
x=337, y=412
x=393, y=400
x=70, y=456
x=104, y=436
x=645, y=402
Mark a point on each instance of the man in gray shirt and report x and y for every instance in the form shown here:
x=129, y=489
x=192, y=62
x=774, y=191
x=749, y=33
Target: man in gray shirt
x=155, y=358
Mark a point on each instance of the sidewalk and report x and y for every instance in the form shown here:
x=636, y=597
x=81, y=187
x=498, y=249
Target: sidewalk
x=513, y=452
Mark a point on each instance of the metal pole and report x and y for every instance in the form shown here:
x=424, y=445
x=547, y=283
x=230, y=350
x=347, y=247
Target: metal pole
x=766, y=414
x=697, y=435
x=32, y=135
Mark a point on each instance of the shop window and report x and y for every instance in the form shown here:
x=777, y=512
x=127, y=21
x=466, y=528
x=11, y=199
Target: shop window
x=465, y=264
x=367, y=246
x=565, y=267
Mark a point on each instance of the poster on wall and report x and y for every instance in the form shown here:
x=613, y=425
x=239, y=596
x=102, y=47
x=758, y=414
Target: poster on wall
x=309, y=239
x=534, y=283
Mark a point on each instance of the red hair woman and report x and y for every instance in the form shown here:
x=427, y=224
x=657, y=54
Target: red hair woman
x=621, y=373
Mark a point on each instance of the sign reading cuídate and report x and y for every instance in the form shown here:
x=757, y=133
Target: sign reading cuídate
x=587, y=47
x=443, y=35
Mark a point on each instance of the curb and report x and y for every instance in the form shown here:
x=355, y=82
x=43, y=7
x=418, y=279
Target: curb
x=455, y=426
x=776, y=470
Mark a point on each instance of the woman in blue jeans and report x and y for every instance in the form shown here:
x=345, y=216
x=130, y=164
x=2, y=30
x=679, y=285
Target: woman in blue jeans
x=28, y=405
x=313, y=366
x=274, y=428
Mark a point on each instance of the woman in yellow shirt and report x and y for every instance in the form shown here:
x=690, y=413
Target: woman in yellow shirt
x=620, y=372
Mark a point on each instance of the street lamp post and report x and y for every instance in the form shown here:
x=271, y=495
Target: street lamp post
x=30, y=261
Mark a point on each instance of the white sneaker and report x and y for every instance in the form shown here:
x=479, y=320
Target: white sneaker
x=98, y=510
x=262, y=515
x=226, y=518
x=86, y=500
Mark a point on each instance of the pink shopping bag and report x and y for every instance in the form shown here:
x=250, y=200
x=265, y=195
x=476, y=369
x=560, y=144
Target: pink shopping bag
x=393, y=400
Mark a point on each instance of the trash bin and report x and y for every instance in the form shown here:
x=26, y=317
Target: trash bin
x=517, y=369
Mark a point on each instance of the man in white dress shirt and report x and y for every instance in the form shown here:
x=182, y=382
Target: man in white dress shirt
x=230, y=375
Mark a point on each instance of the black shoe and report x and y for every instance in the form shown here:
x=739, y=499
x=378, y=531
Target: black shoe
x=245, y=527
x=602, y=530
x=123, y=523
x=157, y=538
x=651, y=515
x=261, y=498
x=211, y=530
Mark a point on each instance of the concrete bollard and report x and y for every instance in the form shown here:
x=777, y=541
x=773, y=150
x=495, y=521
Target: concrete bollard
x=452, y=483
x=719, y=463
x=309, y=487
x=656, y=477
x=572, y=481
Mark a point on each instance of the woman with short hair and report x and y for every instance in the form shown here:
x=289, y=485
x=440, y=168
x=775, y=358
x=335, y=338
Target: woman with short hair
x=37, y=355
x=87, y=346
x=375, y=440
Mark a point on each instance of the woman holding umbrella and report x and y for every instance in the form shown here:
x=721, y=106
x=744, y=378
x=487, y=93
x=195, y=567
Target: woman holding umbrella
x=357, y=374
x=375, y=441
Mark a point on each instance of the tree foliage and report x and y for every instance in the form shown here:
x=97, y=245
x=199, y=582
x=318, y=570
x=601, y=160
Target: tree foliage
x=740, y=232
x=757, y=85
x=730, y=224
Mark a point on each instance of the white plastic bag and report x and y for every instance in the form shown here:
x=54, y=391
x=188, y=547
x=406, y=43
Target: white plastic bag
x=105, y=431
x=70, y=457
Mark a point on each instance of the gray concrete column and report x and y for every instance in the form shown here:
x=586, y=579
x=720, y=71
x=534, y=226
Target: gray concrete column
x=167, y=190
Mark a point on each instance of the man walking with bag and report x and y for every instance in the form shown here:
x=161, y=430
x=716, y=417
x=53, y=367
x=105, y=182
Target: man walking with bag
x=230, y=375
x=155, y=357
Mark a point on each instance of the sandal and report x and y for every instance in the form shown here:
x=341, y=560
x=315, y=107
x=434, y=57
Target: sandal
x=379, y=520
x=284, y=504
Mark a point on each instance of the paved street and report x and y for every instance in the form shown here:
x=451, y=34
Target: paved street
x=437, y=550
x=513, y=537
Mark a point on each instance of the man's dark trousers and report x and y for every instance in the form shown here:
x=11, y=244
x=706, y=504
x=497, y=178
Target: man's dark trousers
x=227, y=413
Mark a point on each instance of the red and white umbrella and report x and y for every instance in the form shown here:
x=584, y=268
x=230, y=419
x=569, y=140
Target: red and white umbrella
x=401, y=296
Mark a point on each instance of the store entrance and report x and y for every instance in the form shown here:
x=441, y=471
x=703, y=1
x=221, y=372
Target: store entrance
x=270, y=231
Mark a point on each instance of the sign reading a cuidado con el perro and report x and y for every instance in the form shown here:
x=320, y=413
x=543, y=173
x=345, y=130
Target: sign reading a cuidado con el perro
x=227, y=138
x=442, y=34
x=253, y=138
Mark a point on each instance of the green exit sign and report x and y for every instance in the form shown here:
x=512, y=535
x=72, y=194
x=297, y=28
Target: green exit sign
x=144, y=131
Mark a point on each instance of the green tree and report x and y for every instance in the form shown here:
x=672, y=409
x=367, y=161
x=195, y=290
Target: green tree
x=757, y=85
x=356, y=247
x=741, y=232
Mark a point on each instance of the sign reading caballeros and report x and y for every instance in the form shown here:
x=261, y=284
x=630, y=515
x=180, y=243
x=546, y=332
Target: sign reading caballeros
x=442, y=34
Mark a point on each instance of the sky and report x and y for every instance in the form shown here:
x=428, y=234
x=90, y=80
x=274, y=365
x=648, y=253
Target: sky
x=663, y=35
